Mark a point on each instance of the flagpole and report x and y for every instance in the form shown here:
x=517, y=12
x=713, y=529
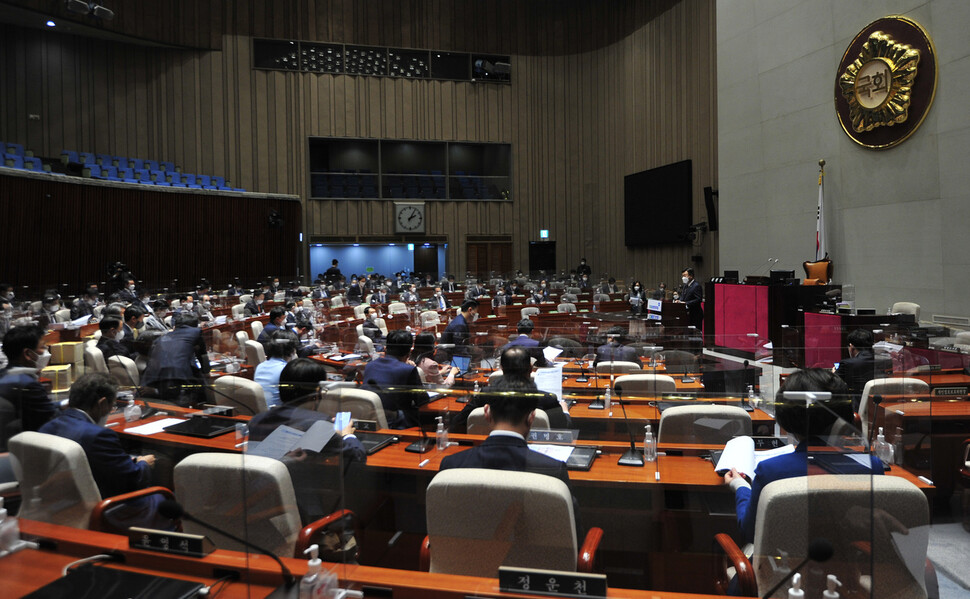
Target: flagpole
x=820, y=249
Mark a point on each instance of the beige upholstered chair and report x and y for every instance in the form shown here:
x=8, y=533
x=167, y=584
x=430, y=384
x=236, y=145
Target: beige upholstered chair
x=679, y=361
x=642, y=384
x=256, y=327
x=337, y=301
x=429, y=318
x=124, y=371
x=245, y=298
x=359, y=310
x=871, y=521
x=566, y=307
x=57, y=485
x=239, y=310
x=528, y=311
x=361, y=403
x=481, y=519
x=397, y=308
x=236, y=392
x=479, y=425
x=906, y=308
x=365, y=345
x=714, y=425
x=617, y=367
x=887, y=386
x=261, y=508
x=63, y=315
x=94, y=359
x=255, y=354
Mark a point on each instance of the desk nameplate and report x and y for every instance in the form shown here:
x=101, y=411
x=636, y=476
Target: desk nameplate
x=551, y=582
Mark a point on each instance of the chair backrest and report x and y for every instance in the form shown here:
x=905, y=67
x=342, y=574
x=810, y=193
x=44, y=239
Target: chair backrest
x=679, y=361
x=888, y=386
x=245, y=298
x=571, y=298
x=528, y=311
x=62, y=315
x=566, y=307
x=235, y=391
x=124, y=371
x=238, y=310
x=254, y=352
x=570, y=347
x=55, y=479
x=481, y=519
x=820, y=271
x=429, y=318
x=478, y=425
x=641, y=384
x=359, y=310
x=601, y=297
x=337, y=301
x=250, y=496
x=906, y=308
x=397, y=308
x=361, y=403
x=617, y=367
x=257, y=328
x=365, y=345
x=307, y=303
x=360, y=330
x=884, y=513
x=703, y=424
x=382, y=325
x=241, y=339
x=94, y=359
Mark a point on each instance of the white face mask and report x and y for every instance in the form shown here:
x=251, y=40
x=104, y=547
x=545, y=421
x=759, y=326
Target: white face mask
x=42, y=360
x=188, y=306
x=684, y=280
x=676, y=296
x=120, y=335
x=10, y=295
x=258, y=302
x=131, y=287
x=543, y=285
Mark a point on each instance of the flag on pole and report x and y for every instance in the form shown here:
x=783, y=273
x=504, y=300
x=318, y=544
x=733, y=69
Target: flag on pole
x=820, y=216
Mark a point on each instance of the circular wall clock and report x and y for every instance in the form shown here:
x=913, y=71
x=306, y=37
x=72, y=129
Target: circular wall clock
x=409, y=217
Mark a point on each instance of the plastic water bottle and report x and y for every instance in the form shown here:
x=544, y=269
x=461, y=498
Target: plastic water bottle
x=607, y=398
x=753, y=398
x=898, y=446
x=477, y=388
x=882, y=449
x=441, y=435
x=649, y=445
x=132, y=411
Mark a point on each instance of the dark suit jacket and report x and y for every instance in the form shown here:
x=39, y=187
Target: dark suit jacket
x=456, y=332
x=252, y=309
x=435, y=303
x=264, y=423
x=385, y=373
x=173, y=358
x=502, y=452
x=110, y=347
x=373, y=331
x=614, y=352
x=27, y=406
x=449, y=286
x=777, y=468
x=379, y=298
x=80, y=308
x=856, y=372
x=607, y=288
x=320, y=294
x=268, y=330
x=692, y=295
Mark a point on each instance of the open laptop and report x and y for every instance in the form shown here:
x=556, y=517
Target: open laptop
x=462, y=363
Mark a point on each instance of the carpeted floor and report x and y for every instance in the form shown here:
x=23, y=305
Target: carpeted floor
x=949, y=550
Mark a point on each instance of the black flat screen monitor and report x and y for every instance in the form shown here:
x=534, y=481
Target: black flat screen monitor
x=781, y=277
x=658, y=205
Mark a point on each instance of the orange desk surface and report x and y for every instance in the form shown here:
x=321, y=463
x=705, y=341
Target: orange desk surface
x=30, y=569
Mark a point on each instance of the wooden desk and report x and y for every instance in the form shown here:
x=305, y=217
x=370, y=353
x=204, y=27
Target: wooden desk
x=28, y=570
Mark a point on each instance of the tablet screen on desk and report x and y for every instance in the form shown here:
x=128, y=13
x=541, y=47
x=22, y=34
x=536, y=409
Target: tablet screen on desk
x=461, y=363
x=203, y=426
x=107, y=583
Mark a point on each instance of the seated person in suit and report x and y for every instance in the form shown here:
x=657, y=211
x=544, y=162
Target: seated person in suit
x=860, y=367
x=49, y=306
x=474, y=290
x=613, y=350
x=294, y=291
x=809, y=423
x=541, y=294
x=380, y=296
x=134, y=325
x=254, y=307
x=27, y=406
x=408, y=296
x=585, y=284
x=438, y=301
x=511, y=414
x=277, y=321
x=85, y=305
x=500, y=299
x=321, y=291
x=291, y=313
x=280, y=348
x=516, y=366
x=115, y=472
x=434, y=374
x=660, y=293
x=371, y=329
x=397, y=381
x=449, y=285
x=356, y=292
x=609, y=286
x=178, y=363
x=112, y=334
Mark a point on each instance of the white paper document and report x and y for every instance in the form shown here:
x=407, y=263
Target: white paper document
x=345, y=357
x=550, y=380
x=556, y=452
x=739, y=454
x=551, y=353
x=153, y=427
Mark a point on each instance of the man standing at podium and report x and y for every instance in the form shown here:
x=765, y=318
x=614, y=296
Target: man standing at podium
x=692, y=294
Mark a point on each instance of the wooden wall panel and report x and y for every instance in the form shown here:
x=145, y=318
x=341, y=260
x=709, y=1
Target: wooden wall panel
x=598, y=92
